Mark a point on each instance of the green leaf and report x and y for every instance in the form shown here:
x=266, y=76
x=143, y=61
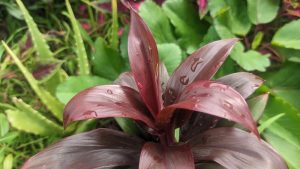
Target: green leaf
x=184, y=17
x=74, y=84
x=292, y=55
x=9, y=137
x=262, y=11
x=38, y=40
x=251, y=60
x=288, y=36
x=159, y=25
x=8, y=162
x=4, y=126
x=106, y=61
x=288, y=151
x=210, y=36
x=27, y=119
x=170, y=54
x=257, y=40
x=83, y=63
x=232, y=14
x=47, y=99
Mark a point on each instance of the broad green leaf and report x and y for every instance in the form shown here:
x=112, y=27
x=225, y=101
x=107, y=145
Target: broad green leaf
x=262, y=11
x=257, y=40
x=251, y=60
x=210, y=36
x=8, y=162
x=74, y=84
x=289, y=54
x=124, y=43
x=106, y=61
x=83, y=63
x=288, y=36
x=47, y=99
x=4, y=126
x=184, y=17
x=170, y=54
x=39, y=42
x=27, y=119
x=288, y=151
x=159, y=25
x=234, y=17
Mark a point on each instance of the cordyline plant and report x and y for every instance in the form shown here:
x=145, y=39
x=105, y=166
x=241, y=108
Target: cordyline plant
x=159, y=104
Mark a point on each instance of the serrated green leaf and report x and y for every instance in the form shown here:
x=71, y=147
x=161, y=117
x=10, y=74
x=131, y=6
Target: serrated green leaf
x=288, y=36
x=38, y=40
x=8, y=162
x=106, y=61
x=170, y=54
x=159, y=25
x=184, y=17
x=262, y=11
x=83, y=63
x=4, y=126
x=47, y=99
x=114, y=38
x=74, y=84
x=27, y=119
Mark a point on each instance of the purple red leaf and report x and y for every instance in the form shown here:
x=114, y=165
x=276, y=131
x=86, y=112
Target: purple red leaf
x=201, y=65
x=214, y=99
x=107, y=101
x=166, y=157
x=235, y=148
x=143, y=57
x=100, y=148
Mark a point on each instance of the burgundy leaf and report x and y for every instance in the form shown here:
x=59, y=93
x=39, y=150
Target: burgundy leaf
x=107, y=101
x=143, y=57
x=201, y=65
x=164, y=76
x=157, y=156
x=214, y=99
x=235, y=148
x=209, y=166
x=44, y=70
x=100, y=148
x=202, y=4
x=243, y=82
x=126, y=79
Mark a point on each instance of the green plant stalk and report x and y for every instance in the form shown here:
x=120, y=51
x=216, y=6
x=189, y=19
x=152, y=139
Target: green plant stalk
x=47, y=99
x=114, y=39
x=83, y=63
x=40, y=44
x=91, y=16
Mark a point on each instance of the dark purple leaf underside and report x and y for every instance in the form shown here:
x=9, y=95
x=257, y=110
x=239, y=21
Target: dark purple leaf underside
x=107, y=101
x=157, y=156
x=201, y=65
x=235, y=148
x=214, y=99
x=126, y=79
x=143, y=57
x=100, y=148
x=243, y=82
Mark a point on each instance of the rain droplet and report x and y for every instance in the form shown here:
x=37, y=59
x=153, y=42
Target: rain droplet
x=184, y=80
x=196, y=62
x=109, y=91
x=228, y=105
x=139, y=85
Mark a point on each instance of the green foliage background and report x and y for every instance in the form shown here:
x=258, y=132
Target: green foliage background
x=51, y=50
